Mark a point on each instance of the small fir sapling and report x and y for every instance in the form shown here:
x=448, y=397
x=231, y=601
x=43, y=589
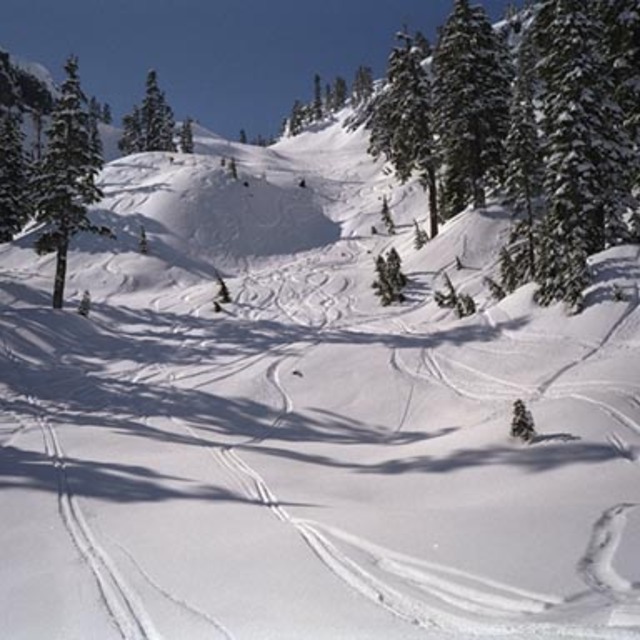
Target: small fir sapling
x=446, y=299
x=420, y=237
x=233, y=168
x=143, y=245
x=522, y=426
x=463, y=303
x=496, y=291
x=618, y=294
x=386, y=217
x=216, y=307
x=223, y=295
x=84, y=307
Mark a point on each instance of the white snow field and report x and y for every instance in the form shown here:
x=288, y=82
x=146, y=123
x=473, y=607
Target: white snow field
x=306, y=463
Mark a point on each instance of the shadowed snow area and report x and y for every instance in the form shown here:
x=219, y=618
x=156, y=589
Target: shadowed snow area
x=306, y=463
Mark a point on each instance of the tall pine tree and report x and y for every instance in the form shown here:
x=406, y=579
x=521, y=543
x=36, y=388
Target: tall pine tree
x=400, y=122
x=14, y=191
x=66, y=185
x=587, y=151
x=471, y=106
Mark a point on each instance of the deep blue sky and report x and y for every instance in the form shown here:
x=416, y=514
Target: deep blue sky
x=230, y=64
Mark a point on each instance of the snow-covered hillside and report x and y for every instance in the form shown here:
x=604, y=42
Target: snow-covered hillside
x=307, y=464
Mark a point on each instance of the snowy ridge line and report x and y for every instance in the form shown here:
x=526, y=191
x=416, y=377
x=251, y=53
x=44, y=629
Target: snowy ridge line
x=596, y=566
x=123, y=605
x=180, y=602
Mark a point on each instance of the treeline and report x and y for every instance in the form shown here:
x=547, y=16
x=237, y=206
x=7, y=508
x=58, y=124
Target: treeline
x=329, y=98
x=544, y=112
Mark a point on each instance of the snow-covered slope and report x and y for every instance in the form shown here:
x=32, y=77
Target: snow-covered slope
x=306, y=463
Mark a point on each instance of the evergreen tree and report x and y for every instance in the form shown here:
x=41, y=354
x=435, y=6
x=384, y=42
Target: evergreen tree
x=132, y=140
x=471, y=106
x=14, y=177
x=522, y=426
x=390, y=280
x=152, y=114
x=587, y=151
x=297, y=119
x=143, y=243
x=150, y=127
x=84, y=307
x=243, y=136
x=233, y=168
x=186, y=136
x=317, y=98
x=448, y=298
x=394, y=270
x=621, y=41
x=223, y=296
x=463, y=304
x=106, y=114
x=523, y=181
x=386, y=217
x=420, y=237
x=362, y=87
x=339, y=94
x=66, y=183
x=400, y=122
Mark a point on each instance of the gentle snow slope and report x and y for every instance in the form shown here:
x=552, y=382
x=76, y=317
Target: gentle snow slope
x=306, y=464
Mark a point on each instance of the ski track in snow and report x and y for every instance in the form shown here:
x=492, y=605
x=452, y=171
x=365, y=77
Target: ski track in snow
x=596, y=567
x=122, y=603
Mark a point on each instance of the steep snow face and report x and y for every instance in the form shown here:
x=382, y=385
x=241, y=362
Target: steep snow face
x=304, y=463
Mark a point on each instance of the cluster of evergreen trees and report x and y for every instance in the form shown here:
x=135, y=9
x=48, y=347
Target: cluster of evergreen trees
x=151, y=125
x=390, y=281
x=56, y=188
x=551, y=120
x=330, y=100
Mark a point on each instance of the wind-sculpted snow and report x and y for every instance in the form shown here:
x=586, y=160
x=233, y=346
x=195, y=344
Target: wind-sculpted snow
x=301, y=462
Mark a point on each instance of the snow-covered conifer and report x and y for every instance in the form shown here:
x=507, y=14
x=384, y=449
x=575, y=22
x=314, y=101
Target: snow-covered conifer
x=66, y=185
x=186, y=136
x=587, y=150
x=400, y=122
x=522, y=425
x=223, y=296
x=14, y=177
x=420, y=237
x=387, y=219
x=471, y=106
x=84, y=307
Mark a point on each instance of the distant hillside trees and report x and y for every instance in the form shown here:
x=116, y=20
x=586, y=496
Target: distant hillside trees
x=150, y=126
x=362, y=87
x=471, y=91
x=14, y=176
x=65, y=184
x=401, y=124
x=186, y=136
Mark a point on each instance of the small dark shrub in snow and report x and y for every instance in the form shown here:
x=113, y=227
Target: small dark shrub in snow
x=223, y=292
x=497, y=292
x=522, y=426
x=143, y=245
x=420, y=237
x=85, y=304
x=216, y=307
x=618, y=293
x=463, y=303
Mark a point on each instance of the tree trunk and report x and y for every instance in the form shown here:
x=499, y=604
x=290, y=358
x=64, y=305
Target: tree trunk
x=61, y=273
x=433, y=203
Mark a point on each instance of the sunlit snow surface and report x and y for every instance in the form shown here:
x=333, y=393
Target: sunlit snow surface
x=307, y=464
